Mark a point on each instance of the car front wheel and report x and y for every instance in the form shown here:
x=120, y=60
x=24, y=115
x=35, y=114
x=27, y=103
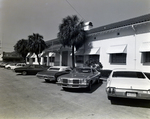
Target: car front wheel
x=46, y=80
x=64, y=88
x=89, y=87
x=24, y=73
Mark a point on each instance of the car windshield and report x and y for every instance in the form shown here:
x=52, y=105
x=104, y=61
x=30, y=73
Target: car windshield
x=53, y=68
x=83, y=70
x=128, y=74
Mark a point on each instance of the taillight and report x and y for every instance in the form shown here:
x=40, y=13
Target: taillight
x=111, y=90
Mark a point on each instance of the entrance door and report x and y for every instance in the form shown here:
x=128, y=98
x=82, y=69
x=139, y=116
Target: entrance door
x=64, y=58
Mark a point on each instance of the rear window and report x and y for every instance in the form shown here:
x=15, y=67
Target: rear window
x=128, y=74
x=56, y=69
x=82, y=70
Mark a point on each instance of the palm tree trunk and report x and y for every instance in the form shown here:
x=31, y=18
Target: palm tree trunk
x=38, y=59
x=73, y=63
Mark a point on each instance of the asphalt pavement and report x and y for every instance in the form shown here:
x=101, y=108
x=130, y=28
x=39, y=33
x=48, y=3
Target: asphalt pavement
x=27, y=97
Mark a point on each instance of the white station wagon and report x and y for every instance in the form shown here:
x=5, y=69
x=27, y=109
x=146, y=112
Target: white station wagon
x=128, y=84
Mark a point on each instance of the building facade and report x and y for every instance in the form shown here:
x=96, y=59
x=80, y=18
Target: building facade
x=124, y=44
x=12, y=57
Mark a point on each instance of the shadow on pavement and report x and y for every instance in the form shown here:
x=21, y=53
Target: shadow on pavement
x=20, y=74
x=53, y=82
x=131, y=102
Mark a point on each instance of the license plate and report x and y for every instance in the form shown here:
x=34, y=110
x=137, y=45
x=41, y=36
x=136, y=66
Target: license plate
x=131, y=94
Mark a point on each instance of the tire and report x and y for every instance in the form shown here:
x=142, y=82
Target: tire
x=89, y=87
x=24, y=73
x=56, y=80
x=64, y=88
x=111, y=98
x=47, y=81
x=98, y=81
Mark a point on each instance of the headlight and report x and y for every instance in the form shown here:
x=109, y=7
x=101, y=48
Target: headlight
x=59, y=79
x=84, y=80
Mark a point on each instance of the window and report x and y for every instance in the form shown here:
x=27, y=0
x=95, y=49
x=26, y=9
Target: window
x=79, y=59
x=56, y=69
x=45, y=59
x=94, y=57
x=27, y=59
x=146, y=57
x=51, y=59
x=118, y=58
x=33, y=59
x=128, y=74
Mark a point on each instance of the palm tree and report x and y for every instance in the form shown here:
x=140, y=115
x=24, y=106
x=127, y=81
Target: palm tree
x=36, y=44
x=21, y=48
x=71, y=33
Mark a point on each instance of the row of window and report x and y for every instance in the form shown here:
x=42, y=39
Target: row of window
x=118, y=58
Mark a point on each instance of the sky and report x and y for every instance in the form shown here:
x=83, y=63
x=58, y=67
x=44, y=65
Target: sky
x=21, y=18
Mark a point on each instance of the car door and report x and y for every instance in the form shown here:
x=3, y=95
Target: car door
x=38, y=68
x=30, y=69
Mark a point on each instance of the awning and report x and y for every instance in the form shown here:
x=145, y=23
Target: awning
x=145, y=47
x=92, y=51
x=51, y=54
x=79, y=52
x=117, y=49
x=41, y=54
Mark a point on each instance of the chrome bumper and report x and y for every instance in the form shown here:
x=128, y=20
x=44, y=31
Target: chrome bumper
x=72, y=85
x=136, y=94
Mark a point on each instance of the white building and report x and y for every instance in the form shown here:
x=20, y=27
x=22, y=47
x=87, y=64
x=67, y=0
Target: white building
x=46, y=58
x=124, y=44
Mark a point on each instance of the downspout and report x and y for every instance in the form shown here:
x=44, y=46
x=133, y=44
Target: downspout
x=135, y=46
x=60, y=57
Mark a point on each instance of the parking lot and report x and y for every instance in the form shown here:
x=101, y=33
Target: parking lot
x=27, y=97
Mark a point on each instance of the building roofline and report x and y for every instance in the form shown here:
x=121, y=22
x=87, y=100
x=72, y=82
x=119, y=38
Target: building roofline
x=125, y=23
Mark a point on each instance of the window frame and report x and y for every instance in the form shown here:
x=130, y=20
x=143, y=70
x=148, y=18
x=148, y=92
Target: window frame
x=115, y=58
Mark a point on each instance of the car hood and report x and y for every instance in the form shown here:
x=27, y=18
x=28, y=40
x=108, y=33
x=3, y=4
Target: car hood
x=76, y=75
x=130, y=83
x=47, y=73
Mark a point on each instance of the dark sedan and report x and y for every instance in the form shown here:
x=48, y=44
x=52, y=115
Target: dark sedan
x=82, y=77
x=52, y=73
x=30, y=69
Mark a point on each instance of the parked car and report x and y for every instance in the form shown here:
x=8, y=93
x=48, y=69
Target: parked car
x=17, y=65
x=82, y=77
x=8, y=66
x=30, y=69
x=3, y=64
x=128, y=84
x=52, y=73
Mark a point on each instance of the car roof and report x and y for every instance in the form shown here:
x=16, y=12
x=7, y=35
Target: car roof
x=124, y=69
x=60, y=67
x=85, y=67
